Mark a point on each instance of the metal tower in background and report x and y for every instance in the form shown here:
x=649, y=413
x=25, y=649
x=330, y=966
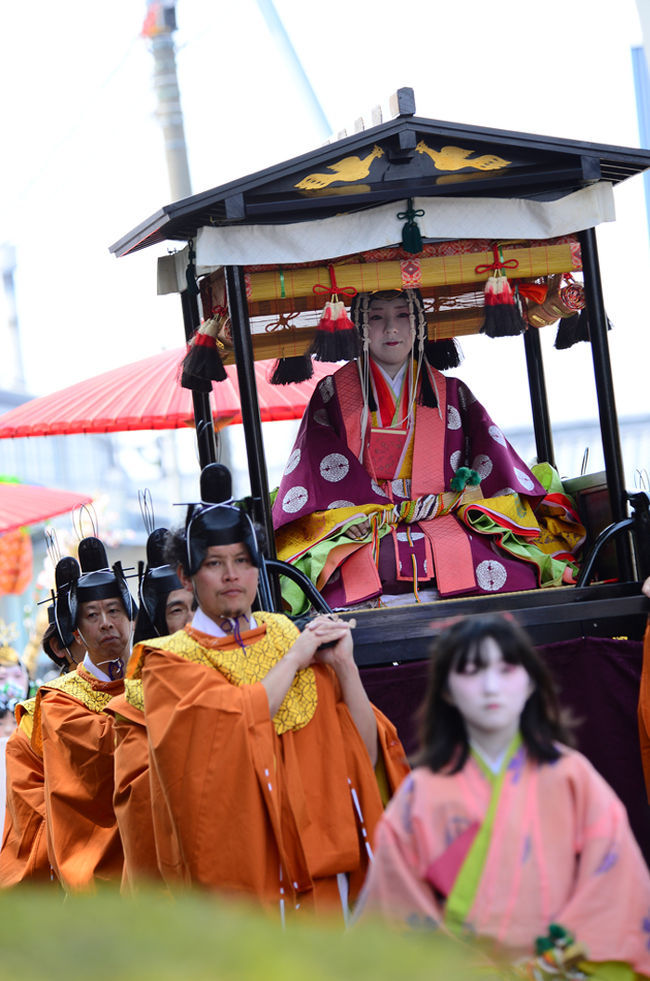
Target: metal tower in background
x=159, y=26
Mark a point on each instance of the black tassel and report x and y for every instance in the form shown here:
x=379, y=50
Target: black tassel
x=190, y=275
x=288, y=371
x=194, y=383
x=502, y=321
x=572, y=330
x=443, y=354
x=336, y=338
x=344, y=345
x=567, y=332
x=340, y=345
x=502, y=316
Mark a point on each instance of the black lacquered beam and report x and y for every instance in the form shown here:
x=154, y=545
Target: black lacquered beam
x=605, y=393
x=205, y=435
x=250, y=409
x=538, y=397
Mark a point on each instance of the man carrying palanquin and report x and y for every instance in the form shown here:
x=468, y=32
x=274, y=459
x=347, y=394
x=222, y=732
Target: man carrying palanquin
x=165, y=606
x=74, y=734
x=24, y=857
x=265, y=753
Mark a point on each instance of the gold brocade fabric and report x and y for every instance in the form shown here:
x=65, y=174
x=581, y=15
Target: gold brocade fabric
x=82, y=689
x=25, y=708
x=263, y=649
x=133, y=693
x=25, y=715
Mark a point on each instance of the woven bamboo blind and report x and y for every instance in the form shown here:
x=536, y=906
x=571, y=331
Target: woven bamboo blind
x=277, y=284
x=284, y=309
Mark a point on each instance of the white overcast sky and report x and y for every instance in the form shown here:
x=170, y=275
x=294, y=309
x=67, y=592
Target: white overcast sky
x=83, y=161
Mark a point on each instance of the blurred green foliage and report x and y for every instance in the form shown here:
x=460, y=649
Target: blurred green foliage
x=153, y=937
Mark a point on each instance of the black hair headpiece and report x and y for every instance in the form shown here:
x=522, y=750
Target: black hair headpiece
x=216, y=520
x=156, y=582
x=66, y=573
x=98, y=581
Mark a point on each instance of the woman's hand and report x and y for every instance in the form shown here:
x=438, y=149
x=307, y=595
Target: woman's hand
x=360, y=530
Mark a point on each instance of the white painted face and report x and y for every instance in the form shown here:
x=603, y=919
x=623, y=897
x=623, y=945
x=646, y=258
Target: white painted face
x=389, y=332
x=489, y=693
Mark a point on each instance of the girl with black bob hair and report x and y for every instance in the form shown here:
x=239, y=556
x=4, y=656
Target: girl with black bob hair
x=460, y=648
x=504, y=832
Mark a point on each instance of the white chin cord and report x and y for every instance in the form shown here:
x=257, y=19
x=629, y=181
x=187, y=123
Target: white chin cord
x=116, y=667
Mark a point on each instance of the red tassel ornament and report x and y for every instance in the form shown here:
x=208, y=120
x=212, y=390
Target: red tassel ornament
x=202, y=364
x=502, y=316
x=336, y=337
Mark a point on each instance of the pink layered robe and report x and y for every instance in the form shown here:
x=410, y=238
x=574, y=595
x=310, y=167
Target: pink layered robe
x=559, y=850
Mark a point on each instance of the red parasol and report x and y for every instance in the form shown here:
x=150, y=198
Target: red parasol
x=147, y=395
x=26, y=504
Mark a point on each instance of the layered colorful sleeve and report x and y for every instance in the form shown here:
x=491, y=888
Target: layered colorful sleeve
x=83, y=838
x=23, y=857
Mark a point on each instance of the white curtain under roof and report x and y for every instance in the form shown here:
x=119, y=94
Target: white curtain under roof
x=347, y=234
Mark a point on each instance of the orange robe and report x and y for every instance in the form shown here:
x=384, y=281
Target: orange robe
x=132, y=794
x=644, y=710
x=76, y=739
x=250, y=810
x=23, y=857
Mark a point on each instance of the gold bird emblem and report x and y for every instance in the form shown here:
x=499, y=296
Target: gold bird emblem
x=455, y=158
x=347, y=170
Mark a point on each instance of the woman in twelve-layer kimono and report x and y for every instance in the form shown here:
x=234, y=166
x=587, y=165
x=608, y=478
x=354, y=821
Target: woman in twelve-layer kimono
x=400, y=485
x=502, y=830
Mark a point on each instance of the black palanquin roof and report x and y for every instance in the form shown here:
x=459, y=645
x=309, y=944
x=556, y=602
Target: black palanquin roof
x=405, y=158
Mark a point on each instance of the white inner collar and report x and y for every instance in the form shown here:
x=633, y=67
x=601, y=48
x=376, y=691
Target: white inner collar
x=201, y=621
x=396, y=382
